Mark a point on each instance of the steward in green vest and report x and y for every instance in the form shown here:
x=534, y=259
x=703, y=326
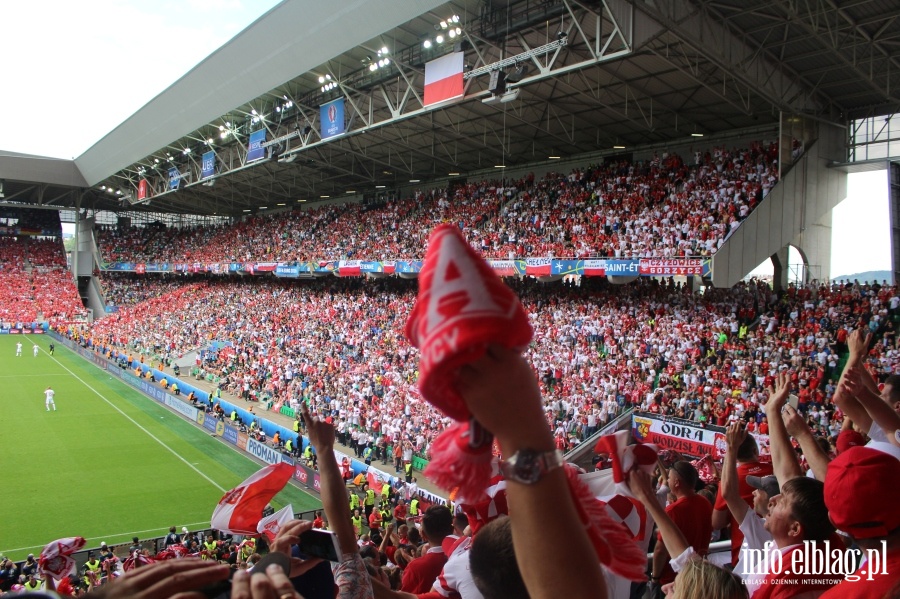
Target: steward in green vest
x=414, y=507
x=357, y=522
x=289, y=445
x=354, y=501
x=210, y=547
x=92, y=564
x=369, y=501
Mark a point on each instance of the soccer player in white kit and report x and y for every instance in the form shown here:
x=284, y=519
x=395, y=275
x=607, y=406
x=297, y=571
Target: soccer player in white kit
x=49, y=393
x=18, y=349
x=35, y=351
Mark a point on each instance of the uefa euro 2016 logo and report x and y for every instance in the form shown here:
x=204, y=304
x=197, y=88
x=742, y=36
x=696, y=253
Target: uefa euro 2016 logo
x=332, y=113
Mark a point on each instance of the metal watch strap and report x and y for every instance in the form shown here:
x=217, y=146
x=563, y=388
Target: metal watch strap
x=528, y=466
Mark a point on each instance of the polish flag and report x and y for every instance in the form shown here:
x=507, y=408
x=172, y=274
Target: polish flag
x=594, y=268
x=240, y=510
x=444, y=78
x=538, y=267
x=349, y=268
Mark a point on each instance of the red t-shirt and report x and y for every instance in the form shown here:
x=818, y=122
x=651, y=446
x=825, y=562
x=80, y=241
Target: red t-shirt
x=400, y=514
x=693, y=517
x=864, y=588
x=420, y=574
x=743, y=470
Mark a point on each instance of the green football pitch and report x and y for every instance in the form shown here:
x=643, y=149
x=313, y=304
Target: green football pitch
x=109, y=463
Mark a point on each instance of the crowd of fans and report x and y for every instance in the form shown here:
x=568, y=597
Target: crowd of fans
x=35, y=283
x=842, y=507
x=662, y=207
x=599, y=348
x=334, y=350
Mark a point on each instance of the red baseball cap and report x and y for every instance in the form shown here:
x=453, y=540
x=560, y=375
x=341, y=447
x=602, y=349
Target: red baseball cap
x=860, y=492
x=849, y=438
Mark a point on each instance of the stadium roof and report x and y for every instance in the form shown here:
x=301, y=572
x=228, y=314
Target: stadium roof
x=609, y=76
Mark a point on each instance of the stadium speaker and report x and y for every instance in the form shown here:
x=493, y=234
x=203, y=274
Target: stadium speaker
x=276, y=150
x=518, y=74
x=461, y=46
x=497, y=84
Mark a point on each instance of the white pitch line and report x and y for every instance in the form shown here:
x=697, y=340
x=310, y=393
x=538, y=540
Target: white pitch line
x=151, y=435
x=113, y=536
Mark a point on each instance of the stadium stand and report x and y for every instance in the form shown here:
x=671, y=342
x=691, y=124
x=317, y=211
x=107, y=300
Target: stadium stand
x=663, y=207
x=34, y=282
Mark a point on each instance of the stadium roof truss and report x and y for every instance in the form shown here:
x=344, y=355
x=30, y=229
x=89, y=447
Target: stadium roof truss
x=607, y=76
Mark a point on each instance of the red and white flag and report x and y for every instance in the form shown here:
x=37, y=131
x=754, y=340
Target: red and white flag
x=626, y=458
x=349, y=268
x=240, y=510
x=56, y=558
x=490, y=508
x=444, y=78
x=271, y=525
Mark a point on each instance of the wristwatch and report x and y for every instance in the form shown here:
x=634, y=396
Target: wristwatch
x=528, y=466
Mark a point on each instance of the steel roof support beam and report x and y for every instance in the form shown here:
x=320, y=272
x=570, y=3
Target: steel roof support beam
x=832, y=36
x=734, y=53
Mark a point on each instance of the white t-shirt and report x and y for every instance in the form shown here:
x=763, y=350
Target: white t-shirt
x=877, y=434
x=49, y=393
x=755, y=536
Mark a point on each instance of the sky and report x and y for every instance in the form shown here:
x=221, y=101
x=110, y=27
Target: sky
x=73, y=71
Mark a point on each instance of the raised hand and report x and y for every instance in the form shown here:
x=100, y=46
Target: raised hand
x=501, y=391
x=641, y=485
x=290, y=535
x=271, y=584
x=735, y=434
x=858, y=343
x=794, y=422
x=779, y=395
x=321, y=434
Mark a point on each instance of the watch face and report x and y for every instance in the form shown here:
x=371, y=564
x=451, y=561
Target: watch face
x=528, y=471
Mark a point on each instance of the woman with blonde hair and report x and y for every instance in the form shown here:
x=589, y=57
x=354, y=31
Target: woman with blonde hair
x=700, y=579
